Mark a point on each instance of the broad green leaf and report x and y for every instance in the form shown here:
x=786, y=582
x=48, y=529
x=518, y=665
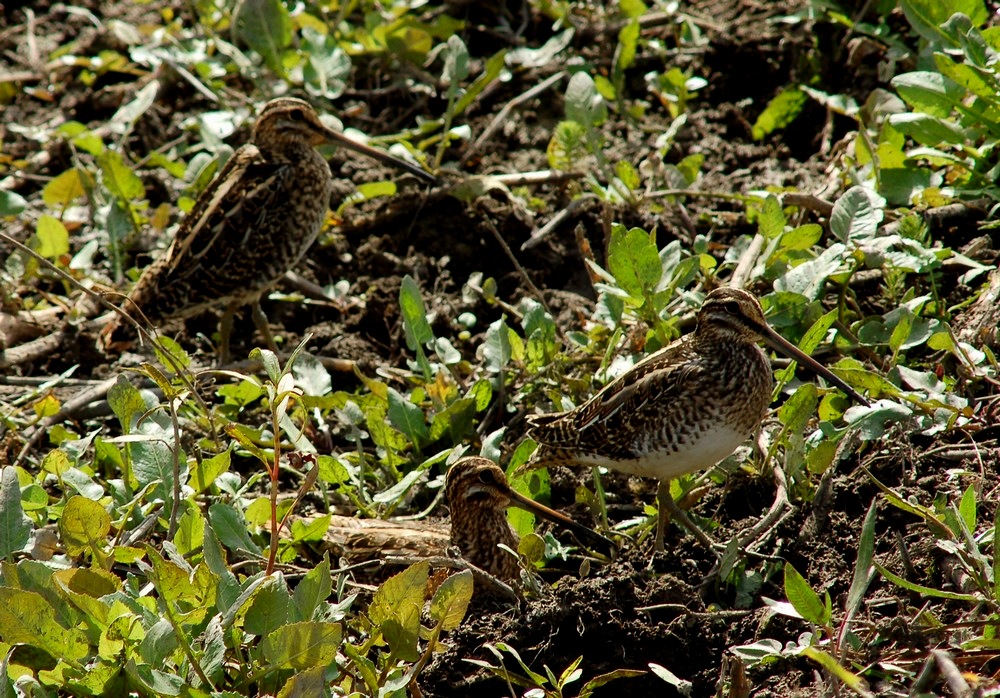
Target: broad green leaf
x=119, y=177
x=927, y=16
x=628, y=41
x=311, y=682
x=396, y=607
x=264, y=25
x=497, y=346
x=929, y=130
x=779, y=112
x=301, y=646
x=771, y=219
x=857, y=215
x=928, y=92
x=628, y=174
x=313, y=590
x=63, y=190
x=451, y=600
x=802, y=598
x=327, y=66
x=190, y=535
x=456, y=62
x=204, y=473
x=53, y=238
x=15, y=527
x=268, y=609
x=84, y=525
x=230, y=528
x=126, y=402
x=27, y=619
x=407, y=418
x=634, y=261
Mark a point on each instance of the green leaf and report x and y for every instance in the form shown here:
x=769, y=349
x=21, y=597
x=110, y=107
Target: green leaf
x=771, y=219
x=84, y=525
x=583, y=103
x=779, y=112
x=864, y=567
x=926, y=591
x=313, y=590
x=802, y=598
x=26, y=618
x=628, y=174
x=11, y=204
x=303, y=645
x=53, y=238
x=63, y=190
x=264, y=25
x=411, y=305
x=628, y=41
x=967, y=508
x=851, y=680
x=119, y=178
x=634, y=261
x=494, y=66
x=268, y=609
x=451, y=600
x=857, y=215
x=497, y=348
x=230, y=528
x=456, y=62
x=927, y=16
x=15, y=527
x=408, y=418
x=396, y=607
x=204, y=473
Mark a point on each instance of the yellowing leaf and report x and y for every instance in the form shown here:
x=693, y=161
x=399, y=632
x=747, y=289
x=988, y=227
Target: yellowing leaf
x=63, y=190
x=53, y=238
x=84, y=525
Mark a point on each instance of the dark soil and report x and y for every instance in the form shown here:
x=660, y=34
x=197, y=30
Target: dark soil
x=635, y=611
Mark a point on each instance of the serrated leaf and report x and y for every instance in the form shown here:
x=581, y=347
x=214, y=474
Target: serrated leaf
x=451, y=600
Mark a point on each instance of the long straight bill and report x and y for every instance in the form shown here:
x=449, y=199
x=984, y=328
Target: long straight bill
x=779, y=343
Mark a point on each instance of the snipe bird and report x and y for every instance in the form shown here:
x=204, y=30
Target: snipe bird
x=478, y=496
x=252, y=224
x=680, y=409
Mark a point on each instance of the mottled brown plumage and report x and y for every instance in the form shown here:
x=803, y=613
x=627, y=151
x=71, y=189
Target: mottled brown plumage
x=682, y=408
x=252, y=224
x=478, y=496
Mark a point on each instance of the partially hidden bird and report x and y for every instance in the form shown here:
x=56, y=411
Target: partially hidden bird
x=478, y=497
x=251, y=225
x=681, y=409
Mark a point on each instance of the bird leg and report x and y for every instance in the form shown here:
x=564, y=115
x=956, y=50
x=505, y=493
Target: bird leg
x=260, y=320
x=665, y=504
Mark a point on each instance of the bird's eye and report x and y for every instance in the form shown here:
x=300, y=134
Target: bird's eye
x=486, y=477
x=732, y=307
x=296, y=115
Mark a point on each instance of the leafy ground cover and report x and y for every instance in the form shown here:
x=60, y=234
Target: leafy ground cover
x=602, y=166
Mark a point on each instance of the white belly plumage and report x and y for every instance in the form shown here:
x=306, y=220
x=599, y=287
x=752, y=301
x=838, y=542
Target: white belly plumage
x=705, y=450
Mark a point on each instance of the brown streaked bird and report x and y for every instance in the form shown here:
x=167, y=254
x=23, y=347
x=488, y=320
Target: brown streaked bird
x=478, y=496
x=252, y=224
x=680, y=409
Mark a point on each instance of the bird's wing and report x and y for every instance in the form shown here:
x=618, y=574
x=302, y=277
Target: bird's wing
x=226, y=212
x=624, y=406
